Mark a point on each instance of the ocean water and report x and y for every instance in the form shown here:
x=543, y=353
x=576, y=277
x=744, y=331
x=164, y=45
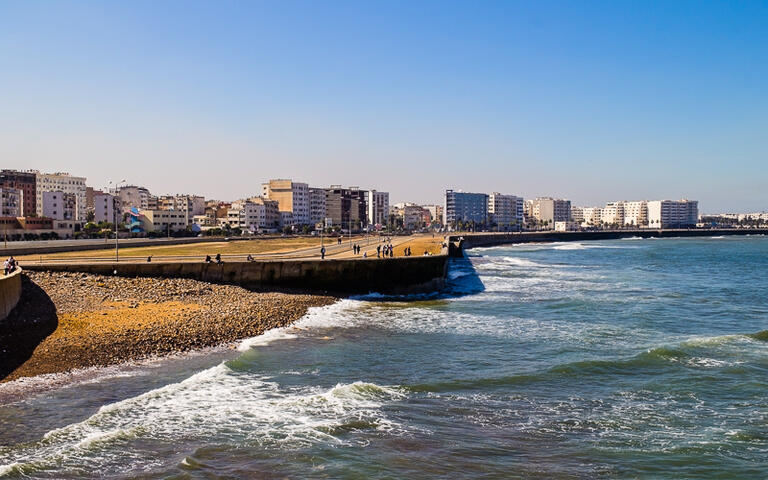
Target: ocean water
x=611, y=359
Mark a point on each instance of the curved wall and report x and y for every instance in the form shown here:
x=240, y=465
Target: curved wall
x=10, y=292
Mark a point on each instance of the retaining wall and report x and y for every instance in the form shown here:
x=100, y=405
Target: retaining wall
x=10, y=292
x=391, y=275
x=490, y=239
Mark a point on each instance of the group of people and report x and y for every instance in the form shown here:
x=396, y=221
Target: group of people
x=387, y=251
x=218, y=258
x=9, y=266
x=407, y=251
x=356, y=249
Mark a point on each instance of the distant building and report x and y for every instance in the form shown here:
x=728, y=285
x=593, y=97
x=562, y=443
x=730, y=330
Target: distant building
x=465, y=207
x=377, y=204
x=636, y=213
x=61, y=182
x=591, y=216
x=673, y=213
x=612, y=214
x=60, y=205
x=577, y=215
x=291, y=197
x=105, y=206
x=503, y=211
x=270, y=217
x=11, y=202
x=316, y=205
x=411, y=214
x=163, y=221
x=548, y=210
x=436, y=212
x=345, y=207
x=132, y=196
x=26, y=182
x=191, y=205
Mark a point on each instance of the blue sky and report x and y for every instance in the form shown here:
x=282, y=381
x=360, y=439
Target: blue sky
x=593, y=101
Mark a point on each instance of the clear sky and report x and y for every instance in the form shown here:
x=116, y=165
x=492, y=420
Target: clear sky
x=592, y=101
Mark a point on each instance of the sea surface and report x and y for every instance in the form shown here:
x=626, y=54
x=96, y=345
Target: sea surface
x=607, y=359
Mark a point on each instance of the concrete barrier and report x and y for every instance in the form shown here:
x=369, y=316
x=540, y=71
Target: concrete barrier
x=347, y=276
x=471, y=240
x=10, y=292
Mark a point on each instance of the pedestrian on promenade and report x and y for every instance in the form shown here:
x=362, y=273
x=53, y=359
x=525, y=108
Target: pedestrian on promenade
x=378, y=251
x=149, y=259
x=6, y=266
x=322, y=253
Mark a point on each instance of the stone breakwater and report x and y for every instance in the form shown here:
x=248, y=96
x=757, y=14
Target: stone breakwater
x=67, y=320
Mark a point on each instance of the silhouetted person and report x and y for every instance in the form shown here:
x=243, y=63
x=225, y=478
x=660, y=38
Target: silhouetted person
x=207, y=259
x=218, y=258
x=322, y=253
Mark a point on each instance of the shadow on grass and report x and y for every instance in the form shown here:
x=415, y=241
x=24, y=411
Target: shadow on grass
x=33, y=319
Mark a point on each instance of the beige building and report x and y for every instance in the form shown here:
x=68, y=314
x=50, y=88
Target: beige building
x=163, y=221
x=291, y=197
x=612, y=214
x=132, y=196
x=503, y=210
x=548, y=210
x=65, y=183
x=191, y=205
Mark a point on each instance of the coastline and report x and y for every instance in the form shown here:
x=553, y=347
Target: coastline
x=72, y=321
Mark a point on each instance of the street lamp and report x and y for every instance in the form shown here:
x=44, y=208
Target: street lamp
x=114, y=214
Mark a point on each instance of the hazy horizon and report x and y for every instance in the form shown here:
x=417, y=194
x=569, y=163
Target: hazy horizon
x=590, y=101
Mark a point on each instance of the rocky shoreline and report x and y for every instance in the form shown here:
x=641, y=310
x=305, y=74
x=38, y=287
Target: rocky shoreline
x=67, y=321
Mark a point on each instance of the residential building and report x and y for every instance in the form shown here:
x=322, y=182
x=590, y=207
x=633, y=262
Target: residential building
x=548, y=210
x=191, y=205
x=269, y=213
x=673, y=213
x=636, y=213
x=291, y=197
x=132, y=196
x=105, y=207
x=436, y=212
x=61, y=182
x=316, y=205
x=26, y=182
x=465, y=207
x=591, y=216
x=503, y=211
x=163, y=221
x=377, y=204
x=577, y=215
x=613, y=214
x=566, y=226
x=60, y=205
x=345, y=207
x=411, y=214
x=11, y=202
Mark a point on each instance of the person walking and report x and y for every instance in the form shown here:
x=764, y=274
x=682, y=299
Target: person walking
x=322, y=253
x=378, y=251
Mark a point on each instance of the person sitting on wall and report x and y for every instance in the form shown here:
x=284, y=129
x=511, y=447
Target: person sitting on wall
x=149, y=259
x=207, y=259
x=218, y=258
x=249, y=258
x=6, y=266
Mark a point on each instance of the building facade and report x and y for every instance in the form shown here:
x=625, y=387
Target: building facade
x=26, y=182
x=377, y=204
x=504, y=211
x=163, y=221
x=105, y=206
x=316, y=205
x=636, y=213
x=60, y=205
x=548, y=210
x=291, y=197
x=65, y=183
x=11, y=202
x=673, y=213
x=465, y=207
x=345, y=207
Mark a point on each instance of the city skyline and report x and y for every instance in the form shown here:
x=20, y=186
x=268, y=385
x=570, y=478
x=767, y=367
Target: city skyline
x=619, y=102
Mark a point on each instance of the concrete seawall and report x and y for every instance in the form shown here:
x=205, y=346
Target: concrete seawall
x=490, y=239
x=344, y=276
x=10, y=292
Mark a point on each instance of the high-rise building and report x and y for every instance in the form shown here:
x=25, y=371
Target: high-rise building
x=636, y=213
x=26, y=182
x=673, y=213
x=61, y=182
x=291, y=197
x=503, y=211
x=465, y=207
x=612, y=214
x=316, y=205
x=345, y=207
x=548, y=210
x=377, y=204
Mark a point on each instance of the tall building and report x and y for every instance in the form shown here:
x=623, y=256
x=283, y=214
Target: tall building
x=60, y=205
x=345, y=207
x=377, y=204
x=11, y=202
x=613, y=214
x=61, y=182
x=673, y=213
x=291, y=197
x=316, y=205
x=132, y=196
x=465, y=207
x=636, y=213
x=105, y=207
x=548, y=210
x=26, y=182
x=503, y=211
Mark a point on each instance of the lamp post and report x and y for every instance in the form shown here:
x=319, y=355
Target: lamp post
x=114, y=214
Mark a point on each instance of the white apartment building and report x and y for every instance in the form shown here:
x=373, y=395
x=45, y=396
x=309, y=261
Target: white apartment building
x=636, y=213
x=377, y=204
x=673, y=213
x=316, y=205
x=60, y=205
x=291, y=197
x=503, y=210
x=246, y=215
x=613, y=214
x=11, y=202
x=591, y=216
x=269, y=213
x=65, y=183
x=163, y=221
x=577, y=215
x=105, y=206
